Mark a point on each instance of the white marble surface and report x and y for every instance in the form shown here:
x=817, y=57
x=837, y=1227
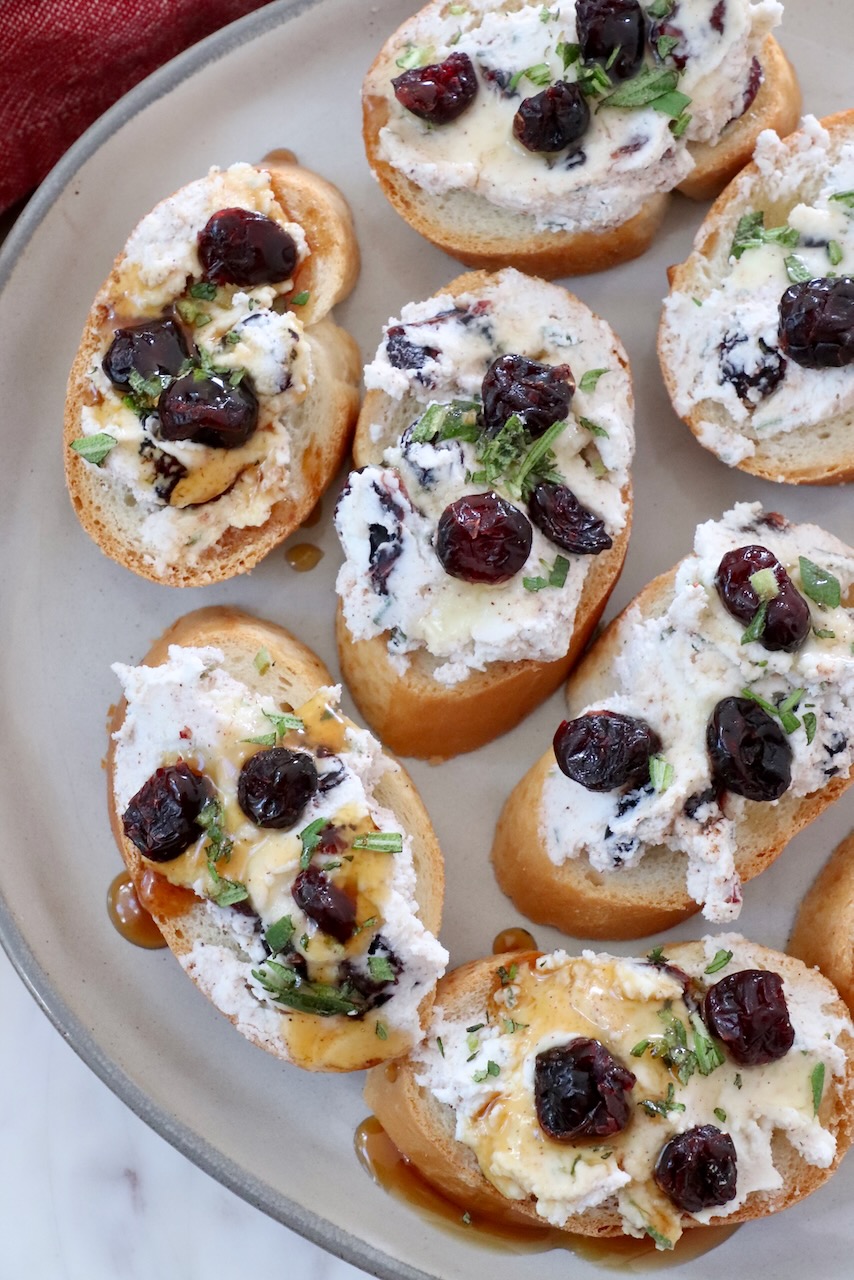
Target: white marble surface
x=89, y=1192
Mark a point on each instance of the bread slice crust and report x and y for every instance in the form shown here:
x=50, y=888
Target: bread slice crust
x=823, y=932
x=423, y=1128
x=650, y=896
x=820, y=454
x=292, y=678
x=479, y=234
x=321, y=424
x=414, y=714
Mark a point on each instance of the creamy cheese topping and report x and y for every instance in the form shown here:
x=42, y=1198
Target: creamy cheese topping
x=625, y=157
x=240, y=333
x=671, y=671
x=723, y=338
x=467, y=625
x=190, y=708
x=485, y=1071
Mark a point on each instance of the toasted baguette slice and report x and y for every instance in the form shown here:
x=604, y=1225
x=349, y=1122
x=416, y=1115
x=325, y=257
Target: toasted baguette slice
x=823, y=934
x=235, y=505
x=219, y=946
x=411, y=710
x=799, y=432
x=470, y=1128
x=676, y=696
x=486, y=233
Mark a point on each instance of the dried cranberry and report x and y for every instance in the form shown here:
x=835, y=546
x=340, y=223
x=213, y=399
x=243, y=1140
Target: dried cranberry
x=208, y=410
x=384, y=539
x=483, y=538
x=162, y=818
x=539, y=394
x=155, y=347
x=553, y=119
x=360, y=977
x=817, y=323
x=580, y=1091
x=237, y=246
x=767, y=374
x=332, y=910
x=604, y=26
x=787, y=618
x=438, y=93
x=716, y=21
x=748, y=1012
x=275, y=785
x=403, y=354
x=698, y=1169
x=665, y=30
x=749, y=751
x=754, y=84
x=558, y=514
x=603, y=750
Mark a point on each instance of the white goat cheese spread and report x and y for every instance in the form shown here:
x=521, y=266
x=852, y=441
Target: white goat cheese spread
x=626, y=155
x=671, y=671
x=189, y=493
x=723, y=342
x=486, y=1071
x=190, y=708
x=398, y=585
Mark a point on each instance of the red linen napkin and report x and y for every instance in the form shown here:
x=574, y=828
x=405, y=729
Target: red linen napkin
x=63, y=62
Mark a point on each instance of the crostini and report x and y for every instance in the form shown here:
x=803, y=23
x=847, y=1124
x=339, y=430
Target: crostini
x=490, y=516
x=712, y=720
x=548, y=137
x=756, y=341
x=288, y=862
x=710, y=1081
x=212, y=398
x=823, y=933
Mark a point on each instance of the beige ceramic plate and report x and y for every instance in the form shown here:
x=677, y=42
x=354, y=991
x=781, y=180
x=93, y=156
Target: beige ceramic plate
x=289, y=76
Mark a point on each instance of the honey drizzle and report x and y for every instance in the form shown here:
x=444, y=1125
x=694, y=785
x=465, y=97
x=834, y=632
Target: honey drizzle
x=129, y=917
x=390, y=1170
x=513, y=939
x=304, y=556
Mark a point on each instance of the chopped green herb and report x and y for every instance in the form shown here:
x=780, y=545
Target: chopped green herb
x=205, y=289
x=568, y=53
x=662, y=1106
x=796, y=269
x=671, y=104
x=721, y=960
x=721, y=1114
x=380, y=842
x=640, y=1049
x=279, y=934
x=284, y=722
x=709, y=1056
x=661, y=772
x=809, y=725
x=557, y=575
x=540, y=74
x=665, y=45
x=300, y=299
x=737, y=1080
x=381, y=969
x=310, y=839
x=819, y=584
x=455, y=421
x=477, y=1026
x=817, y=1085
x=511, y=1026
x=466, y=1219
x=146, y=388
x=751, y=233
x=822, y=633
x=236, y=377
x=574, y=1166
x=834, y=252
x=644, y=89
x=289, y=988
x=593, y=458
x=660, y=1241
x=413, y=56
x=590, y=379
x=491, y=1069
x=457, y=9
x=844, y=197
x=381, y=1030
x=440, y=1045
x=549, y=15
x=593, y=79
x=211, y=820
x=507, y=975
x=784, y=710
x=679, y=126
x=757, y=624
x=765, y=584
x=262, y=662
x=265, y=740
x=593, y=428
x=94, y=448
x=657, y=956
x=232, y=337
x=660, y=8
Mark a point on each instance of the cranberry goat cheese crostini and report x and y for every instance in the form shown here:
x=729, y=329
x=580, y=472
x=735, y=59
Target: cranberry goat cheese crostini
x=212, y=397
x=547, y=138
x=711, y=1081
x=307, y=876
x=712, y=720
x=489, y=519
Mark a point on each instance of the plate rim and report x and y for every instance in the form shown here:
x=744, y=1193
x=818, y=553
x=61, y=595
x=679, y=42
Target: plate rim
x=190, y=1143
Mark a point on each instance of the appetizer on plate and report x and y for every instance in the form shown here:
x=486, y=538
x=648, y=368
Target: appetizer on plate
x=711, y=1081
x=289, y=863
x=547, y=137
x=212, y=397
x=823, y=934
x=711, y=721
x=757, y=334
x=490, y=516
